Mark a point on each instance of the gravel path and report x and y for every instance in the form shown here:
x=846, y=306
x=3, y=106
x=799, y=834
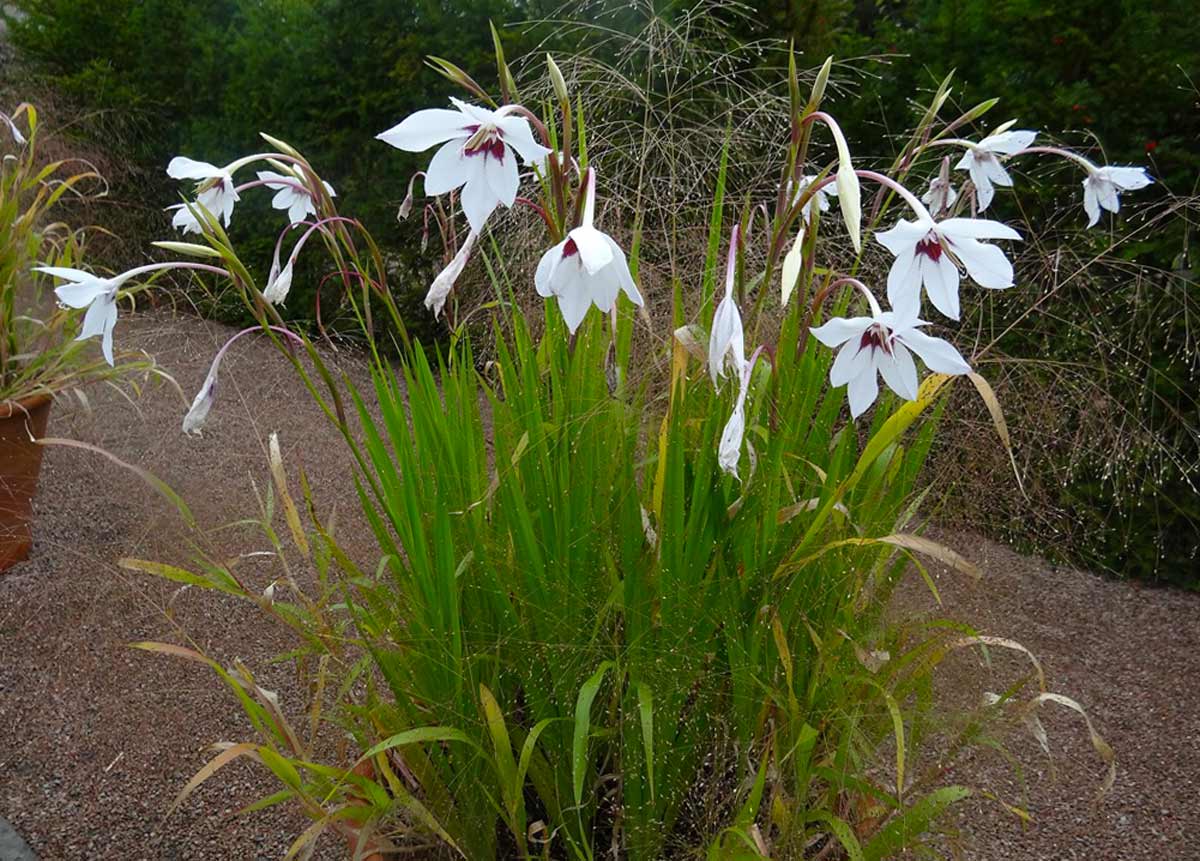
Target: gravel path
x=96, y=739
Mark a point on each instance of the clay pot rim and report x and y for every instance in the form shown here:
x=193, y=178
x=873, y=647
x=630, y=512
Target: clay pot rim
x=19, y=407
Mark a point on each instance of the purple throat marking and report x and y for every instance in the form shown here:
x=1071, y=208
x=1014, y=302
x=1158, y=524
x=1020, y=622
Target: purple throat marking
x=876, y=337
x=570, y=248
x=930, y=247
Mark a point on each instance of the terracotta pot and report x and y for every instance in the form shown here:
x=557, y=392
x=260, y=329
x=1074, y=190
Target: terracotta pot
x=20, y=462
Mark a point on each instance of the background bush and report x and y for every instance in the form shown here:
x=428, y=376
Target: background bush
x=1106, y=470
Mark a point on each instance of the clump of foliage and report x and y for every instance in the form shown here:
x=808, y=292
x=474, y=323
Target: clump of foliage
x=618, y=611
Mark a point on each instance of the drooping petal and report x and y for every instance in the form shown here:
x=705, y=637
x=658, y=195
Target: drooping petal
x=941, y=286
x=904, y=280
x=852, y=360
x=996, y=172
x=435, y=299
x=573, y=298
x=727, y=338
x=100, y=319
x=502, y=175
x=277, y=291
x=938, y=355
x=986, y=264
x=83, y=293
x=1091, y=200
x=898, y=371
x=183, y=219
x=425, y=128
x=181, y=167
x=543, y=277
x=448, y=169
x=197, y=414
x=594, y=252
x=861, y=392
x=983, y=184
x=729, y=451
x=620, y=265
x=479, y=201
x=839, y=330
x=1106, y=193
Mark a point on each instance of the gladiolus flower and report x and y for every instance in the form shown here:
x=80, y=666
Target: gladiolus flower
x=214, y=191
x=279, y=284
x=202, y=404
x=982, y=161
x=940, y=196
x=12, y=127
x=727, y=340
x=98, y=295
x=729, y=450
x=292, y=194
x=587, y=268
x=878, y=346
x=929, y=252
x=435, y=299
x=477, y=153
x=819, y=202
x=1100, y=189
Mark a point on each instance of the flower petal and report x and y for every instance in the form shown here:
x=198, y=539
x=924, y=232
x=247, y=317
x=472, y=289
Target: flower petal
x=986, y=264
x=502, y=175
x=982, y=182
x=904, y=280
x=938, y=355
x=861, y=392
x=517, y=134
x=852, y=360
x=543, y=277
x=904, y=236
x=839, y=330
x=620, y=266
x=187, y=168
x=67, y=274
x=448, y=169
x=425, y=128
x=976, y=228
x=941, y=286
x=1127, y=178
x=573, y=299
x=899, y=372
x=1010, y=142
x=594, y=252
x=82, y=294
x=478, y=201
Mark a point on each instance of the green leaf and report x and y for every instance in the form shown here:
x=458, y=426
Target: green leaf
x=583, y=726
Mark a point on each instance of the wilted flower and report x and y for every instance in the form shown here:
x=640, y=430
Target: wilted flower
x=477, y=153
x=292, y=194
x=197, y=414
x=982, y=161
x=12, y=127
x=98, y=295
x=214, y=191
x=929, y=252
x=587, y=268
x=1100, y=189
x=729, y=449
x=435, y=299
x=879, y=346
x=727, y=340
x=279, y=284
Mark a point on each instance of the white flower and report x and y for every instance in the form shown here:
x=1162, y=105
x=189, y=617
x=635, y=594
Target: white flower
x=1102, y=184
x=202, y=403
x=879, y=346
x=98, y=295
x=12, y=127
x=477, y=153
x=929, y=252
x=729, y=450
x=291, y=194
x=214, y=191
x=435, y=299
x=819, y=202
x=727, y=340
x=982, y=161
x=587, y=268
x=940, y=196
x=279, y=284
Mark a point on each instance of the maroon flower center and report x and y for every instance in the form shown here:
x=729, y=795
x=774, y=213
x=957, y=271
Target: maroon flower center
x=487, y=144
x=930, y=247
x=875, y=337
x=570, y=248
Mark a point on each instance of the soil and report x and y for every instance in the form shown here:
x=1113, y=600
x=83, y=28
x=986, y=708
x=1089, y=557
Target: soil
x=96, y=738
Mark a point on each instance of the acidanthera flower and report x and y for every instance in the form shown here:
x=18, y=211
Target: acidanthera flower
x=98, y=295
x=819, y=202
x=587, y=268
x=477, y=153
x=17, y=137
x=435, y=299
x=940, y=195
x=982, y=161
x=202, y=404
x=1100, y=189
x=214, y=191
x=878, y=346
x=729, y=449
x=291, y=194
x=929, y=252
x=727, y=339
